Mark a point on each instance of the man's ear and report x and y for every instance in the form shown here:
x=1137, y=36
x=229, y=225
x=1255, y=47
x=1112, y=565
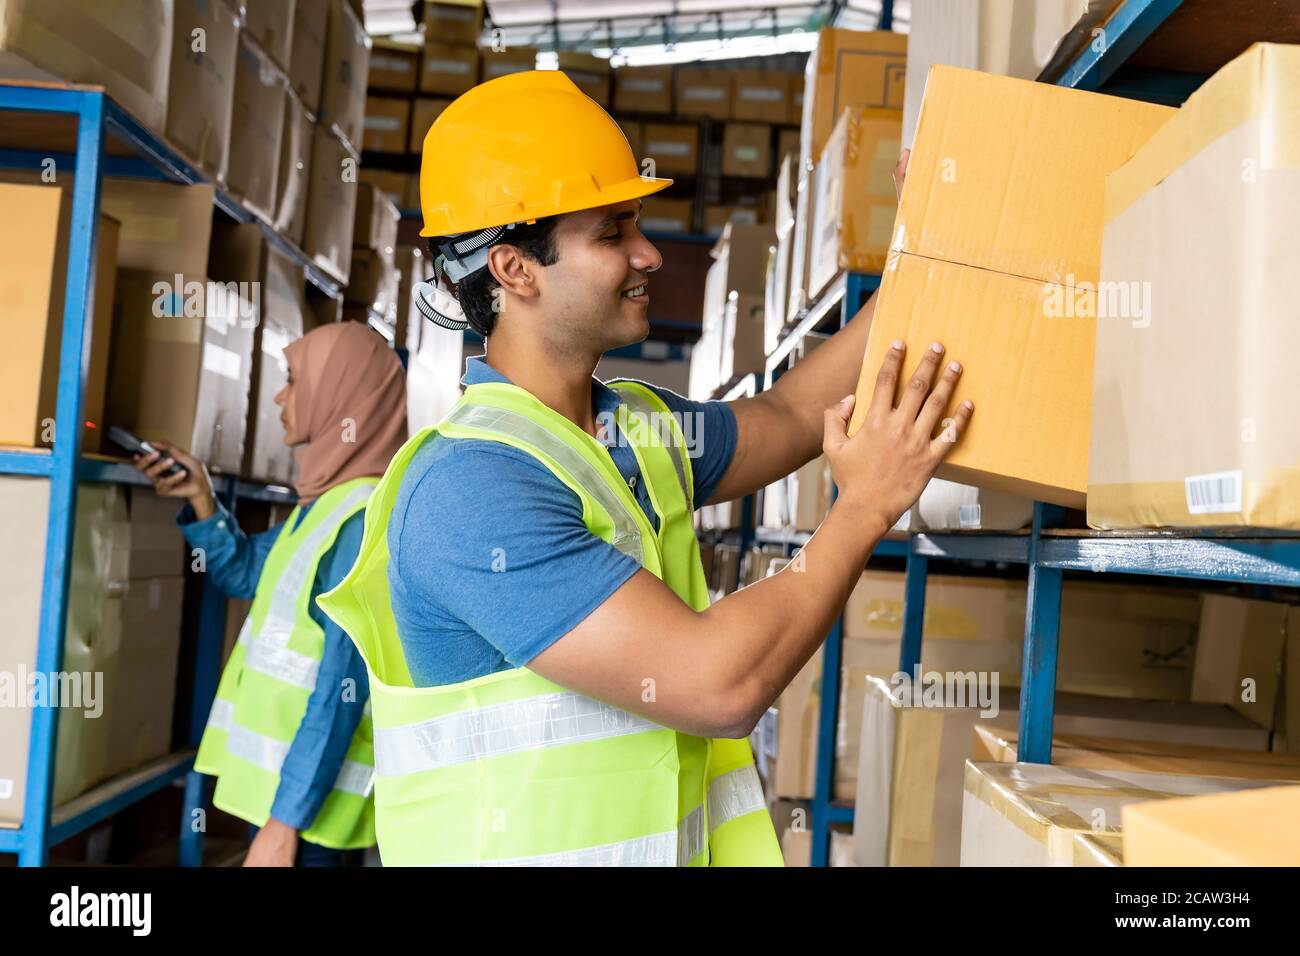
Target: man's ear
x=513, y=271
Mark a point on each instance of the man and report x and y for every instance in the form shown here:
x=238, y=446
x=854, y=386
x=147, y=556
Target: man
x=550, y=684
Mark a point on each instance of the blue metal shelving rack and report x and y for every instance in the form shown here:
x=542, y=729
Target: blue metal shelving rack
x=95, y=117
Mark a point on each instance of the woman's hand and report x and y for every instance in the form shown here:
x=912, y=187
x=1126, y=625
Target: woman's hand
x=193, y=483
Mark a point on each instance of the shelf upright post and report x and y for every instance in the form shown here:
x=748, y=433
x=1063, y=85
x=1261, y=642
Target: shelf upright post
x=918, y=566
x=78, y=303
x=1042, y=631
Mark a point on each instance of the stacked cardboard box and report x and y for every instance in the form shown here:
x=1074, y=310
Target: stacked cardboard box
x=776, y=292
x=644, y=89
x=1249, y=827
x=373, y=282
x=257, y=128
x=450, y=64
x=201, y=92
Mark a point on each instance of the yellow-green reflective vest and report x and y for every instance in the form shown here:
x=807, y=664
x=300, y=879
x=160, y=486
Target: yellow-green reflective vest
x=510, y=768
x=272, y=671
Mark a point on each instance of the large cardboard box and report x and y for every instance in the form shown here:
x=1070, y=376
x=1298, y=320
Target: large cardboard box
x=270, y=23
x=589, y=73
x=89, y=41
x=1202, y=297
x=777, y=286
x=33, y=273
x=635, y=133
x=376, y=221
x=643, y=89
x=1246, y=828
x=448, y=70
x=666, y=215
x=741, y=257
x=140, y=698
x=331, y=203
x=1239, y=655
x=949, y=506
x=165, y=227
x=849, y=68
x=798, y=238
x=307, y=62
x=182, y=351
x=453, y=22
x=343, y=76
x=673, y=147
x=747, y=150
x=423, y=112
x=515, y=59
x=998, y=228
x=373, y=283
x=401, y=189
x=158, y=549
x=387, y=124
x=294, y=177
x=854, y=200
x=201, y=90
x=717, y=215
x=761, y=95
x=413, y=266
x=394, y=67
x=704, y=92
x=256, y=129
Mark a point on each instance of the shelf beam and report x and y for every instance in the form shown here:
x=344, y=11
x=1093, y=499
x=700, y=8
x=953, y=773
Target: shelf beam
x=1126, y=30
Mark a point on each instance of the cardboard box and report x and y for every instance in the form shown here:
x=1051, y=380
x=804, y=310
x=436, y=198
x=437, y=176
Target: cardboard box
x=1246, y=828
x=413, y=266
x=373, y=283
x=1239, y=655
x=1287, y=737
x=854, y=199
x=343, y=76
x=164, y=226
x=761, y=95
x=717, y=215
x=849, y=68
x=394, y=67
x=401, y=189
x=796, y=848
x=1028, y=814
x=949, y=506
x=798, y=87
x=158, y=549
x=589, y=73
x=270, y=23
x=777, y=287
x=976, y=264
x=307, y=60
x=665, y=215
x=88, y=41
x=423, y=113
x=376, y=222
x=704, y=92
x=515, y=59
x=33, y=273
x=453, y=22
x=635, y=133
x=740, y=256
x=673, y=147
x=256, y=129
x=747, y=150
x=331, y=204
x=643, y=89
x=294, y=175
x=387, y=124
x=322, y=310
x=787, y=144
x=448, y=70
x=1214, y=297
x=181, y=363
x=201, y=91
x=798, y=239
x=140, y=700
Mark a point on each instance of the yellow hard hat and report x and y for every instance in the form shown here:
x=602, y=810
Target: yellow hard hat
x=521, y=147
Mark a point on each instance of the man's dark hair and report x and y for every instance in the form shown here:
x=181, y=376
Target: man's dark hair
x=475, y=291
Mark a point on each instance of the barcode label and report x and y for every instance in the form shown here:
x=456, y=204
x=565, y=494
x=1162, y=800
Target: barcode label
x=968, y=516
x=1219, y=493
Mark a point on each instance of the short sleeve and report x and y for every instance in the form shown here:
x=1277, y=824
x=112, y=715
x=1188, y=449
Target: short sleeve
x=710, y=432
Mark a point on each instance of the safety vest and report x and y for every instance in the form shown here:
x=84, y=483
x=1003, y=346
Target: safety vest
x=272, y=671
x=510, y=768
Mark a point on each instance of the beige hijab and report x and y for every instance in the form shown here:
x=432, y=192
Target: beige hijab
x=349, y=399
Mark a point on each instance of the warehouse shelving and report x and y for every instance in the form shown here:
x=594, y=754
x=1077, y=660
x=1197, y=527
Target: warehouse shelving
x=86, y=130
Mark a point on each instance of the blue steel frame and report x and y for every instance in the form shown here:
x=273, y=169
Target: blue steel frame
x=96, y=116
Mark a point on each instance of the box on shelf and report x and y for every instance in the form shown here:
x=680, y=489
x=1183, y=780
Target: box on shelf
x=322, y=310
x=270, y=23
x=1245, y=828
x=307, y=60
x=635, y=133
x=949, y=506
x=849, y=68
x=413, y=266
x=165, y=227
x=423, y=112
x=448, y=70
x=589, y=73
x=401, y=189
x=1200, y=297
x=761, y=95
x=777, y=284
x=294, y=174
x=665, y=215
x=91, y=42
x=373, y=282
x=256, y=129
x=343, y=75
x=331, y=204
x=453, y=22
x=704, y=92
x=740, y=258
x=387, y=124
x=747, y=150
x=201, y=90
x=33, y=273
x=799, y=238
x=854, y=200
x=787, y=144
x=394, y=67
x=1238, y=651
x=515, y=59
x=643, y=89
x=796, y=847
x=672, y=146
x=976, y=263
x=376, y=221
x=717, y=215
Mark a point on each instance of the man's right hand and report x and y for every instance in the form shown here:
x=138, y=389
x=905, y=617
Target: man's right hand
x=193, y=483
x=884, y=467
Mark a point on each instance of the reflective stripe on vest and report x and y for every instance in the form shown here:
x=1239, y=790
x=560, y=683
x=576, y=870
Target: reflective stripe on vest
x=733, y=795
x=670, y=436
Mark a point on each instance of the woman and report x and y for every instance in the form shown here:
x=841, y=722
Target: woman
x=289, y=736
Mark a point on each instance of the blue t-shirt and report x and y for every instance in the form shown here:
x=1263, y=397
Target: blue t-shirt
x=490, y=560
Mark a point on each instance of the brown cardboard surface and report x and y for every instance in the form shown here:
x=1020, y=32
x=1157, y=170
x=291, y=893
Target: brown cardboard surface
x=423, y=112
x=387, y=124
x=256, y=128
x=747, y=150
x=270, y=23
x=798, y=239
x=372, y=282
x=634, y=132
x=343, y=76
x=1248, y=828
x=762, y=95
x=158, y=549
x=717, y=215
x=854, y=200
x=375, y=220
x=849, y=68
x=665, y=215
x=331, y=204
x=201, y=90
x=394, y=67
x=704, y=92
x=787, y=144
x=141, y=694
x=448, y=70
x=672, y=146
x=1239, y=655
x=310, y=22
x=454, y=22
x=293, y=177
x=401, y=189
x=1289, y=731
x=643, y=89
x=165, y=227
x=517, y=59
x=589, y=73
